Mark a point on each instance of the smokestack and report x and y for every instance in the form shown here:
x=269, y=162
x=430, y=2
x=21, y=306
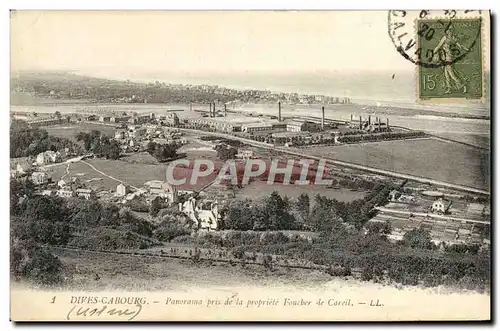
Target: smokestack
x=225, y=110
x=360, y=125
x=279, y=111
x=351, y=117
x=214, y=109
x=369, y=119
x=210, y=110
x=379, y=124
x=323, y=118
x=387, y=123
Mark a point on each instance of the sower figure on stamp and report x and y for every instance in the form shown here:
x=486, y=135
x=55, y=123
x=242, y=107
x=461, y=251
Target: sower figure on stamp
x=445, y=48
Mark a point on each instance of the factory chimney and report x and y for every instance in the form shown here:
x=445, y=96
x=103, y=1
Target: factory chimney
x=214, y=108
x=360, y=125
x=369, y=119
x=379, y=124
x=387, y=124
x=210, y=110
x=279, y=111
x=351, y=117
x=225, y=110
x=323, y=118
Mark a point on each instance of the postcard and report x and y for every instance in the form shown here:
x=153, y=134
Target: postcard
x=250, y=165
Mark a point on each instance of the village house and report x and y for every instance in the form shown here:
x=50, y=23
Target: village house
x=65, y=193
x=48, y=193
x=245, y=154
x=20, y=167
x=105, y=119
x=205, y=214
x=122, y=190
x=394, y=195
x=162, y=189
x=441, y=206
x=119, y=119
x=170, y=119
x=85, y=193
x=135, y=131
x=40, y=177
x=48, y=157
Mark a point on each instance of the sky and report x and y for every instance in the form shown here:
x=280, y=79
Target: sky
x=119, y=42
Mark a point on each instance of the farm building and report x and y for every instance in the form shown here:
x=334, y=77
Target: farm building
x=441, y=206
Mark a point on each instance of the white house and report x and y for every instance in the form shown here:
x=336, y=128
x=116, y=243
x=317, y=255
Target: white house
x=205, y=215
x=162, y=189
x=441, y=206
x=63, y=193
x=48, y=157
x=122, y=190
x=40, y=177
x=85, y=193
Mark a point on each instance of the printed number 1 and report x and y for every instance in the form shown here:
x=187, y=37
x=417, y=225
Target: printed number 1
x=53, y=300
x=429, y=83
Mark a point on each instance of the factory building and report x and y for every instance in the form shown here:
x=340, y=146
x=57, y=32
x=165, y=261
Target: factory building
x=256, y=127
x=369, y=124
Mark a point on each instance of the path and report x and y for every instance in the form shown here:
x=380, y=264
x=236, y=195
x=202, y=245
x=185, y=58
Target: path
x=67, y=171
x=104, y=174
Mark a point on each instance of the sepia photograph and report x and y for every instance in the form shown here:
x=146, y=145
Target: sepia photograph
x=250, y=165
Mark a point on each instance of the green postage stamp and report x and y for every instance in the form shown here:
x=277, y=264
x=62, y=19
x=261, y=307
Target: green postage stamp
x=446, y=47
x=454, y=58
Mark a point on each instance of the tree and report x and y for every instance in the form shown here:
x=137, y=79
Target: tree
x=303, y=206
x=57, y=114
x=226, y=152
x=418, y=238
x=16, y=191
x=239, y=216
x=155, y=206
x=110, y=149
x=379, y=228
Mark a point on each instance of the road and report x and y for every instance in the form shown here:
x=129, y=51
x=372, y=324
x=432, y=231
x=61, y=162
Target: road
x=301, y=154
x=443, y=217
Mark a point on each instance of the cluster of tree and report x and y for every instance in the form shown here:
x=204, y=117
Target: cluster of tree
x=162, y=152
x=99, y=144
x=39, y=222
x=382, y=136
x=27, y=141
x=225, y=152
x=276, y=213
x=272, y=213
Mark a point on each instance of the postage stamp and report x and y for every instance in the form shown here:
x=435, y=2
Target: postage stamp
x=447, y=49
x=455, y=49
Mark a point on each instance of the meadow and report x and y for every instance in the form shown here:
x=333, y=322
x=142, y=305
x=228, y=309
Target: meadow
x=439, y=160
x=258, y=189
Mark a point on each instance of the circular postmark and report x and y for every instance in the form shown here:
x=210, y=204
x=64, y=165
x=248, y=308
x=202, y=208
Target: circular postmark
x=434, y=38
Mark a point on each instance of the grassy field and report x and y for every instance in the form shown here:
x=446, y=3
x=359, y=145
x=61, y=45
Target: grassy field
x=259, y=189
x=136, y=273
x=435, y=159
